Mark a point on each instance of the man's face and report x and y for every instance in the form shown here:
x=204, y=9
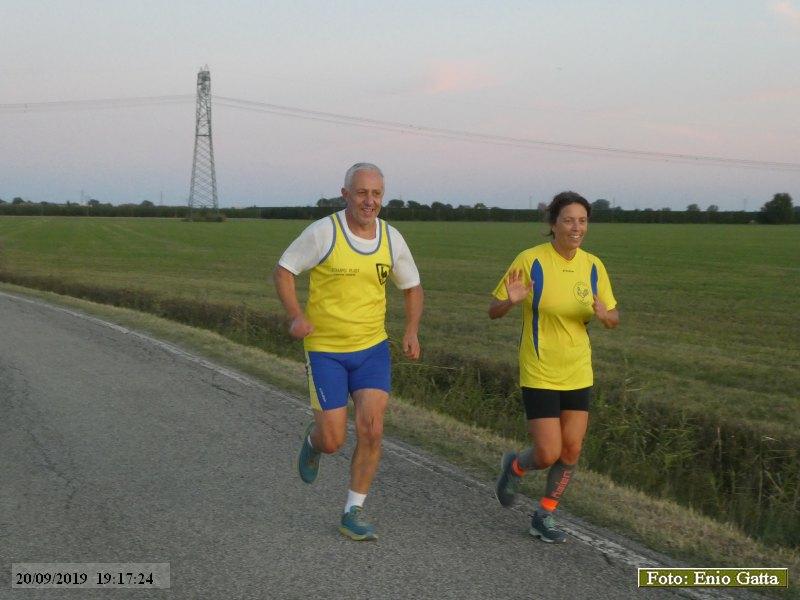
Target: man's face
x=364, y=197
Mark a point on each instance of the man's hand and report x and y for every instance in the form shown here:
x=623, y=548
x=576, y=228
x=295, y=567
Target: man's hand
x=411, y=346
x=300, y=327
x=414, y=298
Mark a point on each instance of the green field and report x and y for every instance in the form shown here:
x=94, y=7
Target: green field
x=708, y=342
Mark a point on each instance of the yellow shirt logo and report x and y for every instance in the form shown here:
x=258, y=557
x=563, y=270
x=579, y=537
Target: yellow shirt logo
x=582, y=293
x=383, y=272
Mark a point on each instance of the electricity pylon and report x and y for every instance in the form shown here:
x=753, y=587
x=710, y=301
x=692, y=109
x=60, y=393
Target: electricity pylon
x=203, y=192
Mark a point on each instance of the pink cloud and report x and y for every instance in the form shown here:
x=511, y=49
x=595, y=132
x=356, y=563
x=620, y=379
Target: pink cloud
x=788, y=10
x=457, y=76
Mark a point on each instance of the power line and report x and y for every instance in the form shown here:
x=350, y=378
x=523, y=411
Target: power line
x=289, y=111
x=407, y=128
x=24, y=107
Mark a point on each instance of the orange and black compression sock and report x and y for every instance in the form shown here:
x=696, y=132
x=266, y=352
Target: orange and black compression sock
x=526, y=460
x=558, y=477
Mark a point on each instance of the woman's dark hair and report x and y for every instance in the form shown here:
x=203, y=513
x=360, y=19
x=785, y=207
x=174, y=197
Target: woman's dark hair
x=565, y=199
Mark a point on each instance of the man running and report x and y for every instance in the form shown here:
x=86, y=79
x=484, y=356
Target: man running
x=350, y=254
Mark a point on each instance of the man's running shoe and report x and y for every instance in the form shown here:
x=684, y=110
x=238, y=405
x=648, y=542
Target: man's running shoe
x=354, y=527
x=308, y=461
x=507, y=484
x=544, y=527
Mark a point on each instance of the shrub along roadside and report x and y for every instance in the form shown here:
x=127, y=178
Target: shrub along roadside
x=728, y=471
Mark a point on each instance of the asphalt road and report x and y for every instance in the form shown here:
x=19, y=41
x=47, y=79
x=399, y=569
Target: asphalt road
x=117, y=448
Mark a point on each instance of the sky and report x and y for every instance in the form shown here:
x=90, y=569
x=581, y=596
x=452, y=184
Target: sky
x=714, y=78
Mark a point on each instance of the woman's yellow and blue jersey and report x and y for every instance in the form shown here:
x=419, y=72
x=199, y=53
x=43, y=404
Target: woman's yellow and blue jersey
x=347, y=294
x=554, y=350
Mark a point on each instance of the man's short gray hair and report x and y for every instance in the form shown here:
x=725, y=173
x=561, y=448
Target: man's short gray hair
x=363, y=166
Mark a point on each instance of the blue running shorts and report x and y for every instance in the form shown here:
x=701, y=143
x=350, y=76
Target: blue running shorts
x=333, y=376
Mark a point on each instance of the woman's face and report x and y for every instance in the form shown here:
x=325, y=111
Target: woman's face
x=570, y=228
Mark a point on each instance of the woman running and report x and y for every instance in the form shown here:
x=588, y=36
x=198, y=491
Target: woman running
x=560, y=287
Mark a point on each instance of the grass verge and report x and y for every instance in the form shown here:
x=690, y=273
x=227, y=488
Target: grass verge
x=662, y=525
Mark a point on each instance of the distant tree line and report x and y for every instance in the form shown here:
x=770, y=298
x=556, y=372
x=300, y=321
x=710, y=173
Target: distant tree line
x=95, y=208
x=776, y=211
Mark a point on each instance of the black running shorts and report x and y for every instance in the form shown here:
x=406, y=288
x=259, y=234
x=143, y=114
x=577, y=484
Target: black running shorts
x=540, y=403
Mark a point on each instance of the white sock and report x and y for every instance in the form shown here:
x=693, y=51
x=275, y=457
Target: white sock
x=354, y=499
